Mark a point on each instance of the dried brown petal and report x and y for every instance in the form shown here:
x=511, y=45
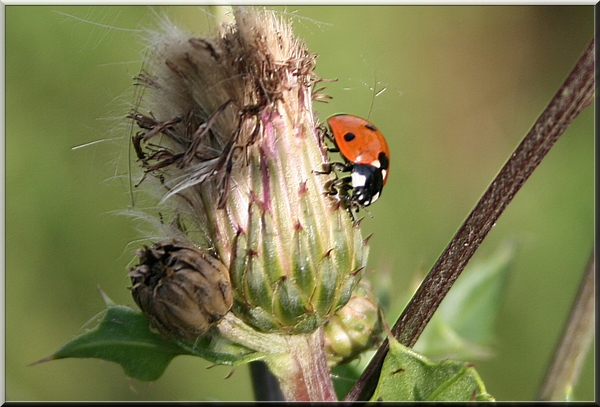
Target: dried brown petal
x=181, y=288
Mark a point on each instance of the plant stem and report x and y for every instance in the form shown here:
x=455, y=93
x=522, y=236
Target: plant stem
x=265, y=384
x=574, y=343
x=303, y=372
x=574, y=95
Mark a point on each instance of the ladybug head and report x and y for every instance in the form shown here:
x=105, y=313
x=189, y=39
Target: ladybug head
x=367, y=182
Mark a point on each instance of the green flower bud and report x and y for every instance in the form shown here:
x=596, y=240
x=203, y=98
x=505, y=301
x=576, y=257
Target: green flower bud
x=236, y=149
x=182, y=290
x=355, y=328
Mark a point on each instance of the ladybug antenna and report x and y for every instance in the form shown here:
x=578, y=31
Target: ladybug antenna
x=374, y=94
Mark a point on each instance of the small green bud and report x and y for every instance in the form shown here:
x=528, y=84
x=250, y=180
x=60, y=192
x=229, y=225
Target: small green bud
x=182, y=289
x=355, y=328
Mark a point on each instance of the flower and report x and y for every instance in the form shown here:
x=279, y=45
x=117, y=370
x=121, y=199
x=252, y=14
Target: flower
x=228, y=133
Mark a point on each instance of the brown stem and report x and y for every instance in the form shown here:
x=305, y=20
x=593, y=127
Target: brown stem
x=574, y=343
x=574, y=95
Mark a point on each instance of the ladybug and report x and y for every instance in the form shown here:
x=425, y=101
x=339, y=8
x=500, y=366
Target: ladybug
x=366, y=155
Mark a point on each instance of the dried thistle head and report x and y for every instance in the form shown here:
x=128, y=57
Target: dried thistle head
x=229, y=134
x=182, y=289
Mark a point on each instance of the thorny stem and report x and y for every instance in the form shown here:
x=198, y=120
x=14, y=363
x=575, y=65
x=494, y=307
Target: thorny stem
x=576, y=93
x=574, y=343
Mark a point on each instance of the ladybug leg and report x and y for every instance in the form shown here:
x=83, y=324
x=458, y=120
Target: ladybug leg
x=333, y=187
x=340, y=186
x=328, y=168
x=342, y=183
x=351, y=206
x=325, y=134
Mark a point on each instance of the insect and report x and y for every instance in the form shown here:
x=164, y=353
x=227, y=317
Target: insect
x=366, y=156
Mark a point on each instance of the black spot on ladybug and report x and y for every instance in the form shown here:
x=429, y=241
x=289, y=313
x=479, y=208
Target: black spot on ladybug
x=349, y=136
x=384, y=162
x=370, y=127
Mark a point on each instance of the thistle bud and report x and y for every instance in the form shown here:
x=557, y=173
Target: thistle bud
x=355, y=328
x=237, y=151
x=183, y=290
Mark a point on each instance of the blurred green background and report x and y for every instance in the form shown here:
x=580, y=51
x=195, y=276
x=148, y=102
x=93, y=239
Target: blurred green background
x=463, y=86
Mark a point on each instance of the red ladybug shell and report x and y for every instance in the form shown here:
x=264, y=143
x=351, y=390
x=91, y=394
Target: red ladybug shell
x=360, y=142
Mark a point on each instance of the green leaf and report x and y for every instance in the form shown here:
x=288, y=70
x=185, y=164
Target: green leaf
x=463, y=326
x=409, y=376
x=124, y=336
